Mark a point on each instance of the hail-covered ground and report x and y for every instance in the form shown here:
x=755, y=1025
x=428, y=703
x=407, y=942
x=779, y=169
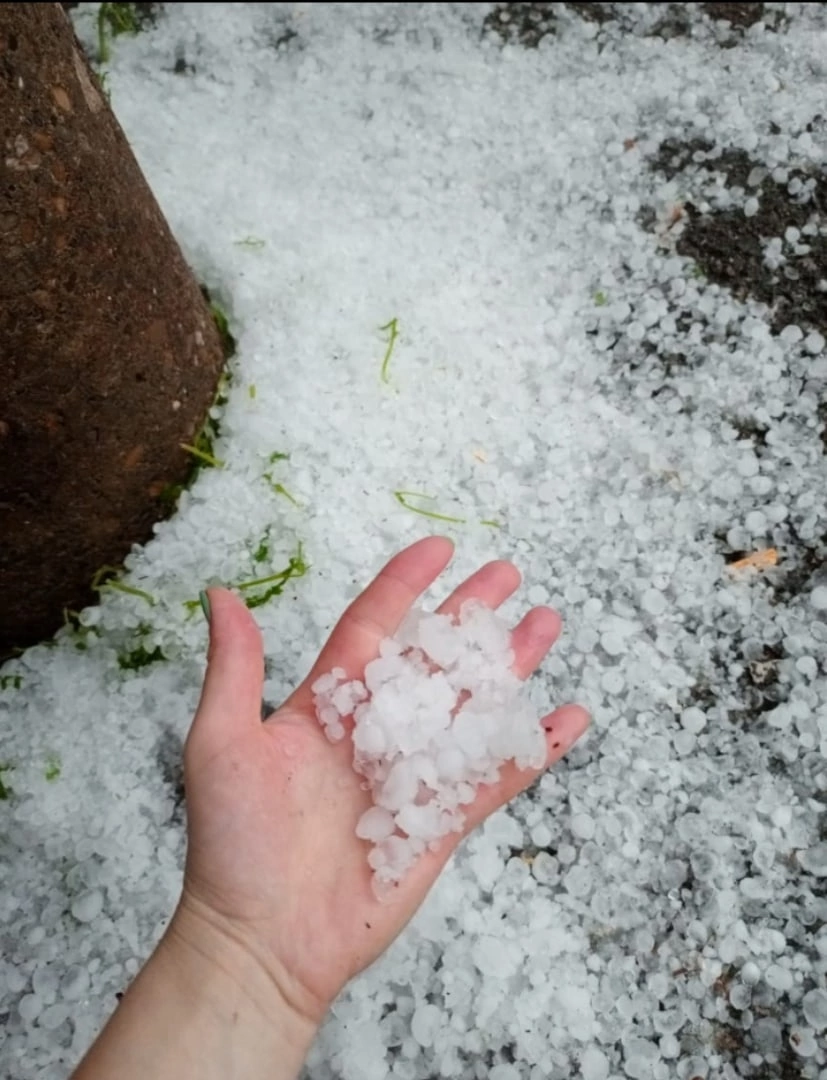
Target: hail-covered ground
x=599, y=232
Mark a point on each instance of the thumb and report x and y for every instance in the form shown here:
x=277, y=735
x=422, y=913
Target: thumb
x=231, y=694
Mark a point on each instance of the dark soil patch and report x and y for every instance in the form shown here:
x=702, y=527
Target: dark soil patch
x=679, y=20
x=759, y=685
x=742, y=15
x=674, y=156
x=748, y=428
x=285, y=38
x=525, y=24
x=805, y=564
x=734, y=1044
x=729, y=247
x=802, y=566
x=183, y=67
x=789, y=1066
x=598, y=13
x=703, y=695
x=738, y=18
x=759, y=688
x=675, y=23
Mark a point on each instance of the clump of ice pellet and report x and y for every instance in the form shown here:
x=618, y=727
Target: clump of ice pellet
x=439, y=712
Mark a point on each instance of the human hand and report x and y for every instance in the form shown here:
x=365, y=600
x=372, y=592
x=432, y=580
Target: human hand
x=274, y=869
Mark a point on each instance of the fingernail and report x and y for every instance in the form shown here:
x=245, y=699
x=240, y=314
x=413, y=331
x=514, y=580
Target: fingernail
x=204, y=601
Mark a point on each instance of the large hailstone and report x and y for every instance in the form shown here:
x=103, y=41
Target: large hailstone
x=438, y=713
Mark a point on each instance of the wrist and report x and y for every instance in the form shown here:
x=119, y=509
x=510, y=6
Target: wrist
x=202, y=1006
x=236, y=985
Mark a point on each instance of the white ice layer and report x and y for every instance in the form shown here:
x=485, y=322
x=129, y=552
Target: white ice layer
x=656, y=906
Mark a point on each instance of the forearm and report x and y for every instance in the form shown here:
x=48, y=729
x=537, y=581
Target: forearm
x=189, y=1014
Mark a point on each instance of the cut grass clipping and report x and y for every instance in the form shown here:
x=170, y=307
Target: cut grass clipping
x=202, y=455
x=128, y=659
x=251, y=242
x=139, y=657
x=222, y=324
x=262, y=552
x=404, y=499
x=78, y=631
x=392, y=330
x=107, y=578
x=273, y=584
x=5, y=790
x=275, y=485
x=116, y=19
x=268, y=586
x=202, y=448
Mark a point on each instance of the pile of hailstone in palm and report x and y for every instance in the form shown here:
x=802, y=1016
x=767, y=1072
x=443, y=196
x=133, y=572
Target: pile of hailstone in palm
x=438, y=713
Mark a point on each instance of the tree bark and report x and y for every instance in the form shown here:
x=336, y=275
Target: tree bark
x=110, y=357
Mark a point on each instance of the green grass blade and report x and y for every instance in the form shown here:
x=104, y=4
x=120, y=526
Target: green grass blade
x=402, y=498
x=392, y=328
x=202, y=455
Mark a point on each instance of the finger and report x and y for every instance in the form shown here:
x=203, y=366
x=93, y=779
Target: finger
x=377, y=612
x=492, y=584
x=231, y=694
x=563, y=728
x=532, y=638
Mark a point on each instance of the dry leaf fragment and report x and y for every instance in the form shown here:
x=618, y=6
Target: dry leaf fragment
x=758, y=560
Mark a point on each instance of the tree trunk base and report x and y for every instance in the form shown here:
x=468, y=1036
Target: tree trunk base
x=110, y=358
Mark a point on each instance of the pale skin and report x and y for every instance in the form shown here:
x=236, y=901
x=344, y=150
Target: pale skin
x=277, y=912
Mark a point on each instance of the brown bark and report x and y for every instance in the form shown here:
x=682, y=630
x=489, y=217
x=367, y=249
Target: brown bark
x=109, y=357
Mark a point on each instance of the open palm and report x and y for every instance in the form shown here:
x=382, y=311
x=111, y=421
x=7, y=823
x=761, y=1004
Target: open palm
x=273, y=859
